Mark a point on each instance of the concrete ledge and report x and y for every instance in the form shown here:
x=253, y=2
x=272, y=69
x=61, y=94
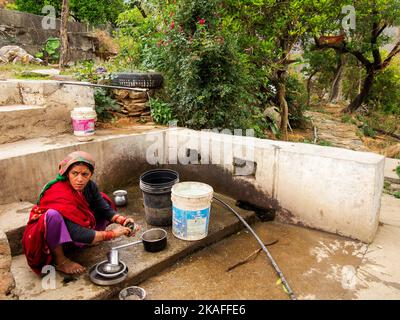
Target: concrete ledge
x=13, y=219
x=141, y=264
x=45, y=93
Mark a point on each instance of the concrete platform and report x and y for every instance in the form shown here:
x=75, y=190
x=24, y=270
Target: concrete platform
x=141, y=264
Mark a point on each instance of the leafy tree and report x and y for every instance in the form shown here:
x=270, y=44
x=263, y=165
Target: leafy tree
x=365, y=42
x=274, y=29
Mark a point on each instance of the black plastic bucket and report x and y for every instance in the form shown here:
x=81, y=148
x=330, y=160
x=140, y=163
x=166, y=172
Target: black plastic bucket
x=156, y=188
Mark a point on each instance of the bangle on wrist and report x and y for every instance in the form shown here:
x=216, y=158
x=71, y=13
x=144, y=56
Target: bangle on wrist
x=108, y=235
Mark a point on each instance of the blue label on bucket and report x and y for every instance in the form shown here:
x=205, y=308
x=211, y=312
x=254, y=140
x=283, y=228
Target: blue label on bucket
x=189, y=224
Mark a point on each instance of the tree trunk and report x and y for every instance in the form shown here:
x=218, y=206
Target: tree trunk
x=359, y=99
x=283, y=104
x=360, y=69
x=336, y=89
x=64, y=34
x=309, y=83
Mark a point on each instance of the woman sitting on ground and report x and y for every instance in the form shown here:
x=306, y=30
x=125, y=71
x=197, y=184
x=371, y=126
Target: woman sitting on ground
x=70, y=209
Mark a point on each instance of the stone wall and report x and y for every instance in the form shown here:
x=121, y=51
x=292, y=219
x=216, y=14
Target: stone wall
x=25, y=30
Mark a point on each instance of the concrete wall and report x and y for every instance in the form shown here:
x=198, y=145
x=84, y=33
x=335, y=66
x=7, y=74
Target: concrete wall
x=330, y=189
x=25, y=30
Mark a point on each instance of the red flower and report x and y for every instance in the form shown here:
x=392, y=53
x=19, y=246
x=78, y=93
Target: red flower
x=202, y=21
x=172, y=25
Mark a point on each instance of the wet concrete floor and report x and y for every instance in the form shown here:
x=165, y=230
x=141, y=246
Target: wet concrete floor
x=317, y=265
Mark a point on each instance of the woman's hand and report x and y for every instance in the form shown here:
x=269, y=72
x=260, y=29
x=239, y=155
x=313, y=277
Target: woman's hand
x=120, y=231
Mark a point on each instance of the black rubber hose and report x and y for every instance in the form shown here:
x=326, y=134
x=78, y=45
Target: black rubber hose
x=274, y=264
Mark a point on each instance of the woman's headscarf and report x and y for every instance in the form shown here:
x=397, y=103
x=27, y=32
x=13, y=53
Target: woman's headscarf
x=75, y=157
x=65, y=164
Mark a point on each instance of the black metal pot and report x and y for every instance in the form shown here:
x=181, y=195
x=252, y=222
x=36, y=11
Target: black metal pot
x=154, y=240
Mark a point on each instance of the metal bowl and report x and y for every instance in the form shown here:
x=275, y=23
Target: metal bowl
x=132, y=293
x=101, y=269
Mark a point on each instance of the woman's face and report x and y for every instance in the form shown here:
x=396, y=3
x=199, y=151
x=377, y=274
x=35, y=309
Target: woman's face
x=79, y=176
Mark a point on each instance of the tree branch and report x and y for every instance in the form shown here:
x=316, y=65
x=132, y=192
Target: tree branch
x=342, y=48
x=391, y=55
x=375, y=32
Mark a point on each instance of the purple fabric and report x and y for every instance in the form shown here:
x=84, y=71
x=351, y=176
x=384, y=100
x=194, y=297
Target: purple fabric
x=57, y=232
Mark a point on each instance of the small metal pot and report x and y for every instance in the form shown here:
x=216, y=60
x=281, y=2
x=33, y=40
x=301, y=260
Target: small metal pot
x=153, y=240
x=120, y=198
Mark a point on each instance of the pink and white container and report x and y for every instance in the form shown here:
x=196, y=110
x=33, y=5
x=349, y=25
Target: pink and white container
x=83, y=120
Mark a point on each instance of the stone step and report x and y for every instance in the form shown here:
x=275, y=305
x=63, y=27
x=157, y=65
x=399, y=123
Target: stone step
x=38, y=108
x=13, y=219
x=390, y=170
x=142, y=265
x=19, y=122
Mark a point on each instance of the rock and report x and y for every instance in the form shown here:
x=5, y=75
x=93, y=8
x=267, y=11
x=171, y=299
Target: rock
x=7, y=283
x=272, y=114
x=4, y=246
x=16, y=54
x=6, y=279
x=135, y=114
x=5, y=262
x=121, y=94
x=393, y=151
x=46, y=72
x=138, y=95
x=138, y=100
x=136, y=107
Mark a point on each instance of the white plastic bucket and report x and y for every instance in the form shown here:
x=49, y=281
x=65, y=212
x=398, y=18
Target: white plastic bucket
x=191, y=204
x=83, y=120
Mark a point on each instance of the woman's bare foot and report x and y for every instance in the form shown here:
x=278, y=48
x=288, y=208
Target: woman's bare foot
x=69, y=267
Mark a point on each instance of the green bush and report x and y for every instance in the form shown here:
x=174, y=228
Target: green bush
x=95, y=12
x=51, y=51
x=207, y=83
x=104, y=104
x=398, y=171
x=161, y=112
x=296, y=97
x=325, y=143
x=385, y=92
x=368, y=131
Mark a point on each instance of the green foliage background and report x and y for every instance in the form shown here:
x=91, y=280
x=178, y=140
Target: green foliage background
x=95, y=12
